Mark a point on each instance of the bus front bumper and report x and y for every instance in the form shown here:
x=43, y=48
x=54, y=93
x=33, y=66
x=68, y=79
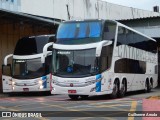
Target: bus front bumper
x=36, y=88
x=88, y=90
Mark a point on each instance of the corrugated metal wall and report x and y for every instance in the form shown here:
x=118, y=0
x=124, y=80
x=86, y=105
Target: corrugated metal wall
x=82, y=9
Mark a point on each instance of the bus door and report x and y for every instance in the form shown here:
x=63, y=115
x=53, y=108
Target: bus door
x=6, y=78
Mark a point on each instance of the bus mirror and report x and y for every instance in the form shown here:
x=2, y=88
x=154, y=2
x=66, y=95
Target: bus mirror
x=45, y=48
x=45, y=51
x=100, y=45
x=6, y=69
x=6, y=58
x=44, y=55
x=42, y=59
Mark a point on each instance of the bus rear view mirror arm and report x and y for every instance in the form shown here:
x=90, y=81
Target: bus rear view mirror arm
x=45, y=52
x=100, y=45
x=6, y=58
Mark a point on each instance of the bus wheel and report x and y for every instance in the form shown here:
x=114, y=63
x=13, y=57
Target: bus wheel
x=74, y=97
x=148, y=87
x=115, y=90
x=84, y=96
x=122, y=90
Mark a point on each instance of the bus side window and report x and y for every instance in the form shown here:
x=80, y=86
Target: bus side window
x=106, y=57
x=47, y=64
x=109, y=31
x=121, y=40
x=121, y=66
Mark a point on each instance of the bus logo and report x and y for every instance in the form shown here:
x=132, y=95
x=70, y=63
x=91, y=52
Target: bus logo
x=71, y=85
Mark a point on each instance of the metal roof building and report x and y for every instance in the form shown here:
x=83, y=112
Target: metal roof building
x=83, y=9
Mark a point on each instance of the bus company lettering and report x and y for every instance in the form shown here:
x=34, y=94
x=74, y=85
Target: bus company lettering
x=125, y=51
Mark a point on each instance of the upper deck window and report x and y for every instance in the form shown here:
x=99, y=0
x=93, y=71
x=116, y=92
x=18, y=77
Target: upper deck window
x=79, y=32
x=31, y=45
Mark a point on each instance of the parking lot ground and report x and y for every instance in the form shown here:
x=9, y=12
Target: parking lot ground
x=60, y=107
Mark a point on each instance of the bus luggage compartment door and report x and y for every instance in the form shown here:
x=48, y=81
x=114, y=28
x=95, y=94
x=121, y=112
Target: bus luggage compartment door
x=6, y=78
x=7, y=84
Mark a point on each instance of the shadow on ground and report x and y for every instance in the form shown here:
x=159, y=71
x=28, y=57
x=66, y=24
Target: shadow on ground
x=29, y=94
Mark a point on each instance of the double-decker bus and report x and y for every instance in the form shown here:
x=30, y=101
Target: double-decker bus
x=27, y=73
x=97, y=57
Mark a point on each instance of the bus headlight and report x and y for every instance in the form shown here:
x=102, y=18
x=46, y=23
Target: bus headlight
x=41, y=87
x=40, y=82
x=13, y=83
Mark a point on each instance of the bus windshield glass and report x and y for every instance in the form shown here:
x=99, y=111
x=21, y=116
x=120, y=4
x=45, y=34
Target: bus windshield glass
x=30, y=45
x=79, y=32
x=78, y=63
x=27, y=69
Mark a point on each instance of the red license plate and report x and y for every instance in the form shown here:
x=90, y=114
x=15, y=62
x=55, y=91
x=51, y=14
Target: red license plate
x=72, y=91
x=26, y=89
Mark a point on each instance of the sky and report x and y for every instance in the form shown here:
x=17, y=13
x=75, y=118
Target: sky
x=141, y=4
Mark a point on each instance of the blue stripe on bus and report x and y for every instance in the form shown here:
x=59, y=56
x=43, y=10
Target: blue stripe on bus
x=44, y=78
x=98, y=84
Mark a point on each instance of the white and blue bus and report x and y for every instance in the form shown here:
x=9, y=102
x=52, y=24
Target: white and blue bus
x=27, y=73
x=97, y=57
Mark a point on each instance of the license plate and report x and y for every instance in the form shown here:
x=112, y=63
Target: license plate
x=26, y=89
x=72, y=91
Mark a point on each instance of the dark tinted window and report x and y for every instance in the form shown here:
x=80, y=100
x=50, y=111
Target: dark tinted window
x=130, y=66
x=106, y=57
x=121, y=36
x=48, y=61
x=109, y=31
x=79, y=32
x=28, y=69
x=52, y=39
x=31, y=45
x=128, y=37
x=76, y=63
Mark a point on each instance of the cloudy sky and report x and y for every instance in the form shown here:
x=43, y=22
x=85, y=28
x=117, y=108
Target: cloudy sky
x=141, y=4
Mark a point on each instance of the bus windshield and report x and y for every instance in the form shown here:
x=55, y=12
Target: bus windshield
x=27, y=69
x=78, y=63
x=79, y=32
x=31, y=45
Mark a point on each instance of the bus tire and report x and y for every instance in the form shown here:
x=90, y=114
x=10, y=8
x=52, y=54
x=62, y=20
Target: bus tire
x=114, y=93
x=84, y=96
x=151, y=84
x=122, y=89
x=74, y=97
x=147, y=86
